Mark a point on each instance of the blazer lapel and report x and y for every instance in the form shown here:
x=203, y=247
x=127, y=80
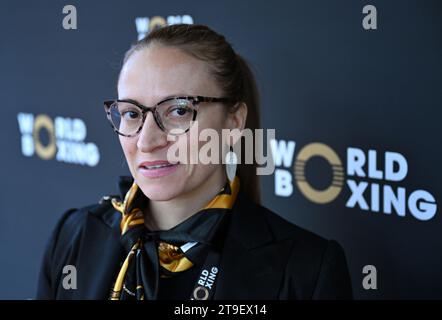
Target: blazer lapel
x=251, y=266
x=100, y=255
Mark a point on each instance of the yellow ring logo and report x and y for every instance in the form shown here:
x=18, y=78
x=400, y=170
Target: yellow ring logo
x=156, y=22
x=314, y=195
x=42, y=121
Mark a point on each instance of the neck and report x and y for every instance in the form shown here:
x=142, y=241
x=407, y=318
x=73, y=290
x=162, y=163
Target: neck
x=164, y=215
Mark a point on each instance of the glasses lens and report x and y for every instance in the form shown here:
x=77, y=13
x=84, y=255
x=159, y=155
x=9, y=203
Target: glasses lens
x=126, y=117
x=176, y=115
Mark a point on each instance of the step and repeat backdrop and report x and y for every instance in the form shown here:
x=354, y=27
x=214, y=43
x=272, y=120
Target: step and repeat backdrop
x=353, y=90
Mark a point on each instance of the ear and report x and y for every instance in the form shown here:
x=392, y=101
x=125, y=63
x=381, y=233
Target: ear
x=237, y=120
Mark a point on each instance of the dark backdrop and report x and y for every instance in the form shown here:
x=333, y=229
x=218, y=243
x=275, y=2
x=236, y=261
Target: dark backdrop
x=322, y=77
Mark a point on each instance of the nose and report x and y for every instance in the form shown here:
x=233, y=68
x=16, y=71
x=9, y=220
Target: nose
x=151, y=136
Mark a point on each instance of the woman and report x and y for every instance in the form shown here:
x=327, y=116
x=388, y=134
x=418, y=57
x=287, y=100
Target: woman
x=183, y=229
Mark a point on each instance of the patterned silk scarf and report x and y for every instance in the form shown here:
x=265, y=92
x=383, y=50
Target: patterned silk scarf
x=164, y=253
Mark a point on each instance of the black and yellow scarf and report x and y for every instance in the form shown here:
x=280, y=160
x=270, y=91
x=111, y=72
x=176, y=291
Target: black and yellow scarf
x=165, y=253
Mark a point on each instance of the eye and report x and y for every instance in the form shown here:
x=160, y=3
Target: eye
x=177, y=111
x=130, y=114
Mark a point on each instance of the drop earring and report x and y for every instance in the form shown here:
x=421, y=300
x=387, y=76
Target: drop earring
x=231, y=162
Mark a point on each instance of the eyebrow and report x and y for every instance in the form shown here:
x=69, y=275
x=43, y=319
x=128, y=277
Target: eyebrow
x=162, y=99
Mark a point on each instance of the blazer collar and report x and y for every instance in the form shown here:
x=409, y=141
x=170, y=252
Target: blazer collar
x=100, y=254
x=252, y=265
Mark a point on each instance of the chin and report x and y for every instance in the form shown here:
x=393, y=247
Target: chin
x=159, y=190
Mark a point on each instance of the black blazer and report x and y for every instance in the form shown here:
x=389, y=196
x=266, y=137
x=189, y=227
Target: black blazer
x=264, y=257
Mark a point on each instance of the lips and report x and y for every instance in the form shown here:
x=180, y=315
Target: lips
x=151, y=165
x=157, y=169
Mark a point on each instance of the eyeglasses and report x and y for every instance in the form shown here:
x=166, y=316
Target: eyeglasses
x=173, y=115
